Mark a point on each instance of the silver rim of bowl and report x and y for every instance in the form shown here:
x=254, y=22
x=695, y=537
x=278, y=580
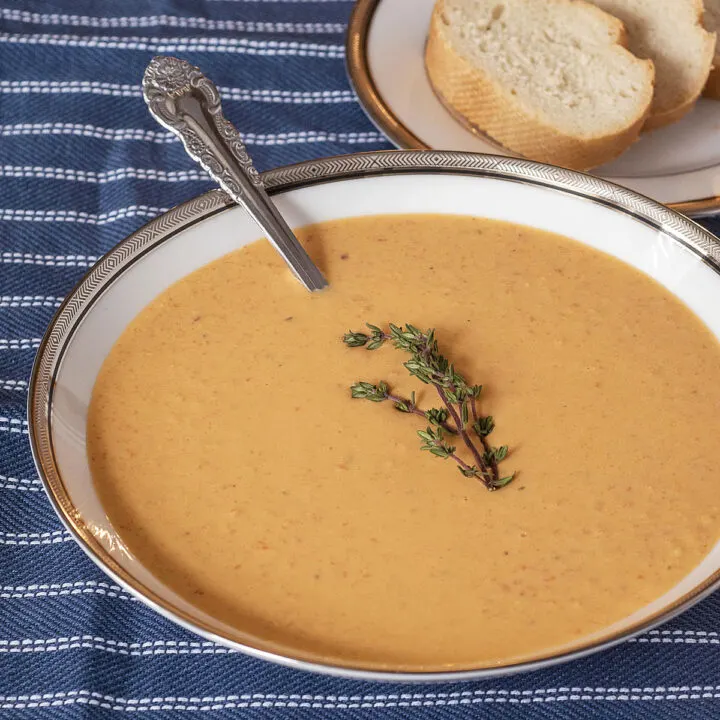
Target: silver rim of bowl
x=78, y=302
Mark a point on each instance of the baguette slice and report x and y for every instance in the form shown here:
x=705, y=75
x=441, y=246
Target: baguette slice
x=549, y=79
x=712, y=24
x=671, y=34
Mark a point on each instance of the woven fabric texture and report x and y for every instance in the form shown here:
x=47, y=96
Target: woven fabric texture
x=81, y=165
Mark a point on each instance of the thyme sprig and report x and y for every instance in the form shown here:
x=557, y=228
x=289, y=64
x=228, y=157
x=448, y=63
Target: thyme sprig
x=459, y=415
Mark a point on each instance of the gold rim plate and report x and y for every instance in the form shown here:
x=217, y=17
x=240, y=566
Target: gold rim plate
x=384, y=118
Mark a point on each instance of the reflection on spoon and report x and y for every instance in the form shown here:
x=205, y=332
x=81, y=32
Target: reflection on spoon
x=187, y=103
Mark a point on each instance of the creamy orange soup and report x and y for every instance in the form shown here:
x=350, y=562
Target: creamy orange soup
x=234, y=464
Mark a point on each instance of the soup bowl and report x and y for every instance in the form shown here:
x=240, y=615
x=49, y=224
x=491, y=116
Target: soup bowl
x=665, y=245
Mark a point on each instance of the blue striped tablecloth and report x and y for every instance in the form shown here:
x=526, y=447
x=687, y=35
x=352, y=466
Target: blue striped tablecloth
x=81, y=165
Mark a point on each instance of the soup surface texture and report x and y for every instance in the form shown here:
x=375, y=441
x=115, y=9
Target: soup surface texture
x=235, y=465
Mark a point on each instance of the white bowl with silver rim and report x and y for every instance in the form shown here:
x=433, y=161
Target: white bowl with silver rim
x=664, y=244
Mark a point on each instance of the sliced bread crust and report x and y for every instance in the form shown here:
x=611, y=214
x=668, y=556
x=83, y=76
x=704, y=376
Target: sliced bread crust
x=712, y=24
x=471, y=87
x=712, y=86
x=671, y=34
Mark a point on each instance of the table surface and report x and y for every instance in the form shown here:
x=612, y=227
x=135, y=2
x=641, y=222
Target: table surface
x=82, y=165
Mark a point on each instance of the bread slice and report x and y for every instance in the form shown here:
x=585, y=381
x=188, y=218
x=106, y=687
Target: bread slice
x=712, y=24
x=549, y=79
x=671, y=34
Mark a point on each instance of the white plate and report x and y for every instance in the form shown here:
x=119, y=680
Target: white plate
x=666, y=245
x=678, y=165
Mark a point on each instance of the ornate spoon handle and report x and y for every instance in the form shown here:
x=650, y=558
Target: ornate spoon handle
x=184, y=101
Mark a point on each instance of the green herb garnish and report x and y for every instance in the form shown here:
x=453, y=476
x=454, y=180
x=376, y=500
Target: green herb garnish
x=459, y=415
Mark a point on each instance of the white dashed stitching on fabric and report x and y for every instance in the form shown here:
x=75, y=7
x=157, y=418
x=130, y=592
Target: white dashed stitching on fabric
x=223, y=702
x=24, y=538
x=103, y=177
x=183, y=647
x=18, y=258
x=296, y=97
x=29, y=301
x=19, y=385
x=241, y=46
x=13, y=483
x=76, y=216
x=92, y=642
x=19, y=343
x=46, y=590
x=149, y=21
x=14, y=426
x=164, y=138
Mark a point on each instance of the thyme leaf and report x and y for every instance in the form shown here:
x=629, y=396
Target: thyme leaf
x=459, y=412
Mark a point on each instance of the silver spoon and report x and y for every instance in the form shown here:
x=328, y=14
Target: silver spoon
x=184, y=101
